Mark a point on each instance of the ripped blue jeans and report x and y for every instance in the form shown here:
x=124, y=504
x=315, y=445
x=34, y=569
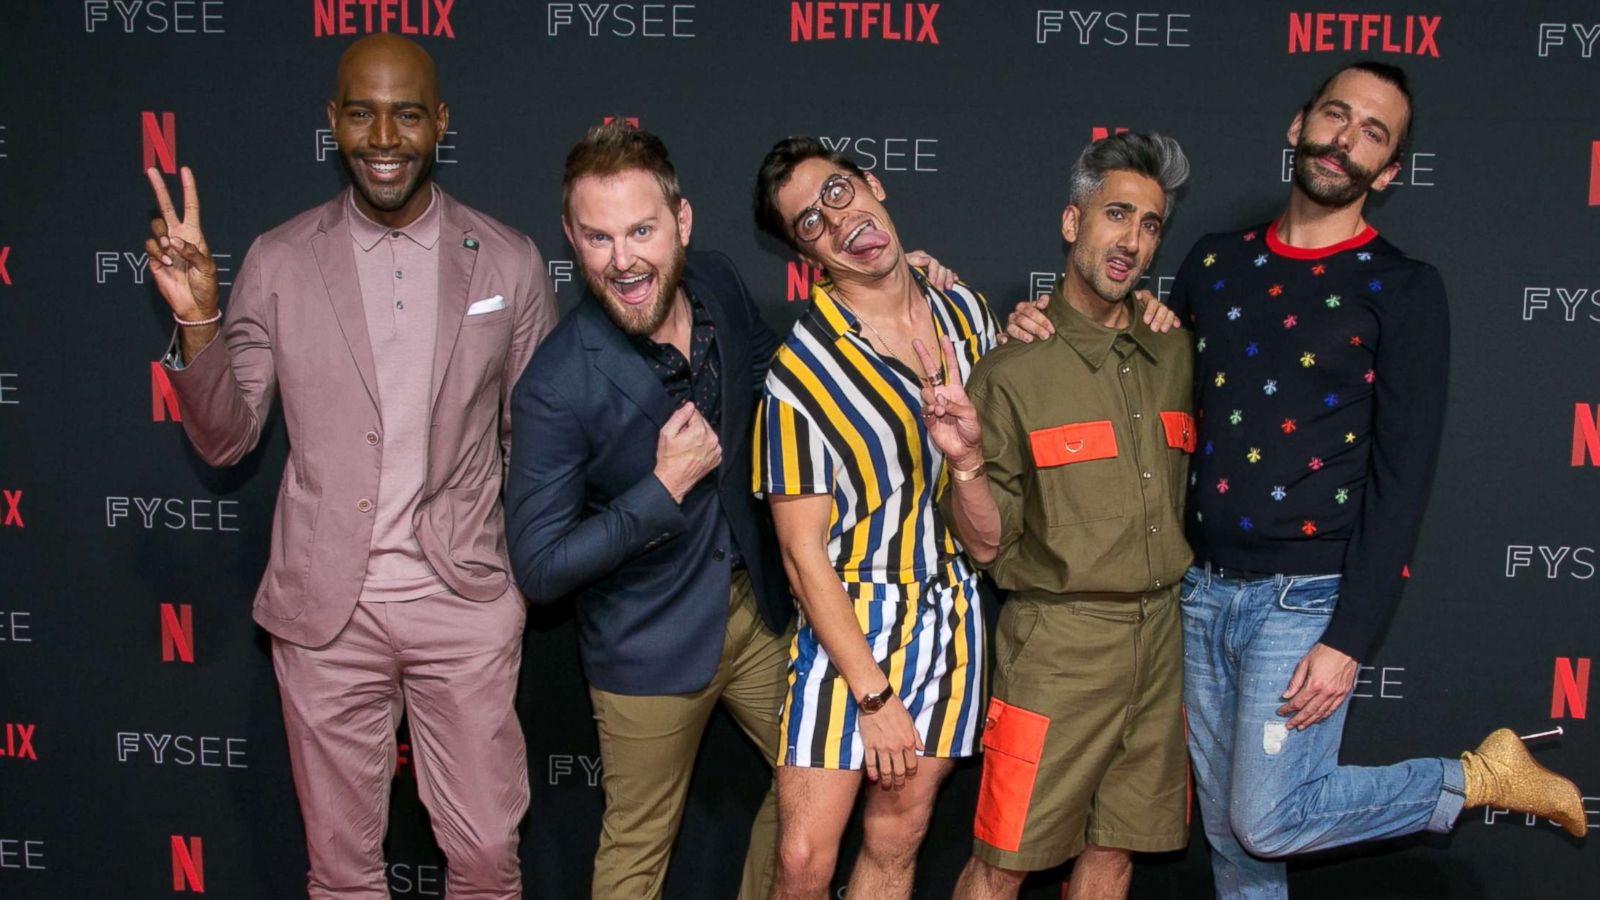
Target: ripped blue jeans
x=1266, y=792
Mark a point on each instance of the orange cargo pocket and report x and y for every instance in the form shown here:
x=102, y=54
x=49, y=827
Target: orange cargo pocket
x=1078, y=442
x=1013, y=740
x=1180, y=430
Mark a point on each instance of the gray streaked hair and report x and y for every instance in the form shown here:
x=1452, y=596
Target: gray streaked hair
x=1152, y=155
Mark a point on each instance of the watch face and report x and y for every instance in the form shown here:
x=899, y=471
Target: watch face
x=871, y=703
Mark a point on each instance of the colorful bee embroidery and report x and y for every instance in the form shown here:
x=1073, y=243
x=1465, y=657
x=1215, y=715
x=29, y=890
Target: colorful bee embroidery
x=1287, y=426
x=1375, y=285
x=1319, y=269
x=1330, y=401
x=1370, y=376
x=1234, y=313
x=1210, y=447
x=1211, y=259
x=1308, y=359
x=1333, y=301
x=1245, y=523
x=1235, y=417
x=1355, y=340
x=1290, y=321
x=1222, y=485
x=1349, y=437
x=1201, y=346
x=1316, y=463
x=1342, y=495
x=1217, y=285
x=1270, y=388
x=1261, y=260
x=1308, y=528
x=1249, y=235
x=1364, y=256
x=1254, y=455
x=1221, y=379
x=1251, y=349
x=1275, y=291
x=1278, y=493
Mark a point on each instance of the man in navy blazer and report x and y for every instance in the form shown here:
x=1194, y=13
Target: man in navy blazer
x=629, y=490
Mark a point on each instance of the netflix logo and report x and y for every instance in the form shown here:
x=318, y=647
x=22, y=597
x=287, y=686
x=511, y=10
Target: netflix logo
x=159, y=139
x=325, y=146
x=188, y=865
x=624, y=20
x=177, y=633
x=1101, y=132
x=1569, y=689
x=182, y=750
x=342, y=18
x=802, y=275
x=11, y=503
x=1585, y=435
x=154, y=16
x=163, y=399
x=1365, y=32
x=21, y=853
x=821, y=20
x=18, y=742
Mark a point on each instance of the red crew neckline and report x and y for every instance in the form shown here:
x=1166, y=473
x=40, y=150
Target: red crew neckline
x=1282, y=249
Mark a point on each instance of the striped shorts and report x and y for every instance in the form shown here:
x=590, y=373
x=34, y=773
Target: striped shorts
x=928, y=638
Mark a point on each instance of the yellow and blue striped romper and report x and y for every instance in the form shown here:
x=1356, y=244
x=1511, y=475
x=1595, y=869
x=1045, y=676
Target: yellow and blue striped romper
x=837, y=418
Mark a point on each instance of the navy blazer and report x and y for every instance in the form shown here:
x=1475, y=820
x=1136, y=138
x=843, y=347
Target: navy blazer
x=586, y=516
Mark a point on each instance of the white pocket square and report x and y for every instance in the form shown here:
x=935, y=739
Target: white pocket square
x=486, y=305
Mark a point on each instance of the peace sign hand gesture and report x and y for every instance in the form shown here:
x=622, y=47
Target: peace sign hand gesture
x=180, y=261
x=951, y=419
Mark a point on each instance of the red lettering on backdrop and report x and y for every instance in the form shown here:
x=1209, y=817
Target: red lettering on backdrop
x=177, y=632
x=1585, y=434
x=1569, y=689
x=160, y=141
x=188, y=865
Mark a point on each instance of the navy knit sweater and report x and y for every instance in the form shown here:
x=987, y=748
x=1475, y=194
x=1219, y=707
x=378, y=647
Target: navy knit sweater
x=1319, y=388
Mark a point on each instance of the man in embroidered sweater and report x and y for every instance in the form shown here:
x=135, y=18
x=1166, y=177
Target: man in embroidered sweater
x=1320, y=374
x=1320, y=377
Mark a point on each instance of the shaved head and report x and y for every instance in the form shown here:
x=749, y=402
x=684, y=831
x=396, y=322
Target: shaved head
x=387, y=119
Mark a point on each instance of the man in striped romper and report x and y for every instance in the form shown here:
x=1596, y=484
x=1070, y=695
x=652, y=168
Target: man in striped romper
x=886, y=669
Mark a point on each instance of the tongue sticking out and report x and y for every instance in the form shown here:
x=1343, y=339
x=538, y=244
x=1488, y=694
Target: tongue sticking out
x=868, y=240
x=1118, y=269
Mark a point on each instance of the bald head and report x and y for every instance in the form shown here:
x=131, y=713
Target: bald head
x=387, y=55
x=386, y=118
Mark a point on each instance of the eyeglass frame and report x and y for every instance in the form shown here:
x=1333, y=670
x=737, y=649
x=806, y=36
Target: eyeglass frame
x=841, y=178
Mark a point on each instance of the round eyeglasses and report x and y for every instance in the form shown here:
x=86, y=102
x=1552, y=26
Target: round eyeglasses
x=836, y=193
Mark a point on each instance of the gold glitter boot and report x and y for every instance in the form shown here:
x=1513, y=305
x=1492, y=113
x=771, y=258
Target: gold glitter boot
x=1501, y=773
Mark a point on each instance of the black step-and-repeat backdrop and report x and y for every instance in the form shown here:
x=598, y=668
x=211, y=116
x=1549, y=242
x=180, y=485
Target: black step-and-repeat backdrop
x=141, y=753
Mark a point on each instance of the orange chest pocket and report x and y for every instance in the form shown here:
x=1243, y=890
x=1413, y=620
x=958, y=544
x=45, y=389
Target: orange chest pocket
x=1078, y=442
x=1180, y=430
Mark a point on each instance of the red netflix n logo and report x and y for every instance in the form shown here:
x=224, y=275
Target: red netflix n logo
x=1100, y=132
x=177, y=633
x=1569, y=689
x=801, y=277
x=1594, y=175
x=160, y=141
x=188, y=866
x=633, y=121
x=163, y=400
x=1585, y=434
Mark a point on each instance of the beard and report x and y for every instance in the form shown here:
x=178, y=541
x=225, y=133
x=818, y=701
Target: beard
x=1092, y=271
x=643, y=319
x=388, y=197
x=1324, y=187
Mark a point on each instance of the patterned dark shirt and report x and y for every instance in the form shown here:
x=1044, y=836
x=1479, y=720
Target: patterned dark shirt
x=698, y=378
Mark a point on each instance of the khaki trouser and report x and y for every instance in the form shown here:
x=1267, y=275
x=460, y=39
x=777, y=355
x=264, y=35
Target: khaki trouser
x=647, y=752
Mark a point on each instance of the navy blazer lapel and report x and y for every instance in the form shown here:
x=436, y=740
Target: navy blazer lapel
x=619, y=361
x=733, y=391
x=336, y=260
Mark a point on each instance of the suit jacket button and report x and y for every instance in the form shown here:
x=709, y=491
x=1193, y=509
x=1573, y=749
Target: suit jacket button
x=364, y=505
x=372, y=438
x=718, y=555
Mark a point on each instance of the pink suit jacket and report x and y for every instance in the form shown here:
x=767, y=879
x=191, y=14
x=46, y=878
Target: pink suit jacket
x=296, y=327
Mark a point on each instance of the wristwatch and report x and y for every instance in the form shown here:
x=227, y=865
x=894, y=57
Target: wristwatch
x=871, y=703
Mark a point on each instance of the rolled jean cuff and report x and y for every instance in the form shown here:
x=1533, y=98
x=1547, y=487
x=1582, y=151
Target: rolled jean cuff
x=1452, y=797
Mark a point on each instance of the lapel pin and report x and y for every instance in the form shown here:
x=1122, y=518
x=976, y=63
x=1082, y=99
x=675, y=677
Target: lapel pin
x=470, y=244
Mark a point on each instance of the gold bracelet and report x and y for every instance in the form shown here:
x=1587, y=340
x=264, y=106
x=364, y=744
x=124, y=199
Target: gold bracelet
x=965, y=475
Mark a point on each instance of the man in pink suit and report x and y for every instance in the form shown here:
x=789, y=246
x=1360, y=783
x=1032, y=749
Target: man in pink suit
x=394, y=322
